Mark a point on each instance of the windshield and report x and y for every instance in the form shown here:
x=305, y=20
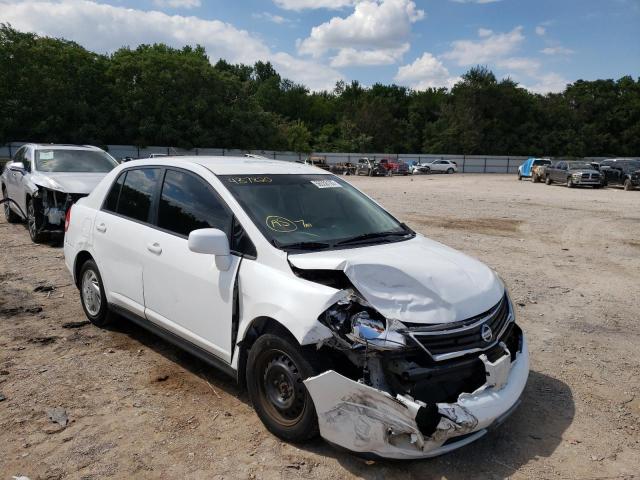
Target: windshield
x=59, y=160
x=312, y=211
x=580, y=166
x=542, y=162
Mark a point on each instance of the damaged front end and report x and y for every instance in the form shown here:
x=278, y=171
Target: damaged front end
x=401, y=390
x=50, y=208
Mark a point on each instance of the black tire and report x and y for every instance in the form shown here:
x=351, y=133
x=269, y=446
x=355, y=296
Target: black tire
x=35, y=221
x=276, y=367
x=535, y=179
x=628, y=186
x=548, y=181
x=570, y=183
x=427, y=170
x=449, y=170
x=100, y=317
x=519, y=176
x=10, y=215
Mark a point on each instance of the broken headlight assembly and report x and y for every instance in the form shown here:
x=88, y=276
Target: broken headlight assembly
x=358, y=324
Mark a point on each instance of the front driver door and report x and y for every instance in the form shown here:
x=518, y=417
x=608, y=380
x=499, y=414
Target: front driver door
x=184, y=291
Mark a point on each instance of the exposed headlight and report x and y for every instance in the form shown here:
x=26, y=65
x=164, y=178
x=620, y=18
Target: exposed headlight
x=358, y=323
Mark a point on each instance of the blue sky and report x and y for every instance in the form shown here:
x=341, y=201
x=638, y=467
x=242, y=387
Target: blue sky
x=542, y=44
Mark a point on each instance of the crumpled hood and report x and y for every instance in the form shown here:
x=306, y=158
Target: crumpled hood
x=69, y=182
x=416, y=281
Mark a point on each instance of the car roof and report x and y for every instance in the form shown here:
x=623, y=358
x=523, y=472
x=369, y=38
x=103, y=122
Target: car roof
x=233, y=165
x=58, y=146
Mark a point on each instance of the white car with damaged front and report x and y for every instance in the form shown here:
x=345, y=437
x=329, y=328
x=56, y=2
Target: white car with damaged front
x=340, y=319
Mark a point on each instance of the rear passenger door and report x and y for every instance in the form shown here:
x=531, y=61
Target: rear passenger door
x=121, y=229
x=184, y=291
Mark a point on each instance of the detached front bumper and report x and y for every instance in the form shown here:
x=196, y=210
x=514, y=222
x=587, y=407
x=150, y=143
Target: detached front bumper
x=364, y=419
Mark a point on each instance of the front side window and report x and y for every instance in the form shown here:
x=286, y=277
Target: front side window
x=312, y=211
x=137, y=193
x=188, y=203
x=68, y=160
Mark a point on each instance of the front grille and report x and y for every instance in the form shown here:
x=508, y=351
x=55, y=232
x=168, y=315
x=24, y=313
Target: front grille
x=444, y=341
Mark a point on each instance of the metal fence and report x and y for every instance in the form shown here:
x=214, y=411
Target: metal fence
x=466, y=163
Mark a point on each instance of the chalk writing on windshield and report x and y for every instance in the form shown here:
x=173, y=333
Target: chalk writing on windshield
x=284, y=225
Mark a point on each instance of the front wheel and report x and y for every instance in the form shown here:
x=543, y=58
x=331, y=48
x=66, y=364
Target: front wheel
x=628, y=186
x=547, y=181
x=535, y=179
x=276, y=369
x=519, y=176
x=570, y=183
x=35, y=222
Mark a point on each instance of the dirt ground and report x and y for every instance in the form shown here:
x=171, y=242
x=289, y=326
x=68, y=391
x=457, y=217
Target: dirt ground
x=140, y=408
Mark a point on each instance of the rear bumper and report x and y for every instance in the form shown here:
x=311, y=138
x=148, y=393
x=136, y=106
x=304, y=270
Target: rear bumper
x=367, y=420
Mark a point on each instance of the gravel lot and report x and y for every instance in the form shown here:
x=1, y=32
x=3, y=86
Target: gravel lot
x=140, y=407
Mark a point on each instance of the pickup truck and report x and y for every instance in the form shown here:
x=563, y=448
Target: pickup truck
x=394, y=166
x=573, y=174
x=531, y=168
x=623, y=172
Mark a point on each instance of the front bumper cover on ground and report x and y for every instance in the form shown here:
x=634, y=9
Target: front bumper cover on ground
x=364, y=419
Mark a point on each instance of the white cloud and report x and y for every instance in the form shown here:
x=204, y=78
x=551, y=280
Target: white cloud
x=384, y=56
x=557, y=51
x=313, y=4
x=484, y=32
x=177, y=3
x=549, y=83
x=377, y=29
x=104, y=28
x=425, y=72
x=528, y=66
x=490, y=47
x=540, y=30
x=270, y=17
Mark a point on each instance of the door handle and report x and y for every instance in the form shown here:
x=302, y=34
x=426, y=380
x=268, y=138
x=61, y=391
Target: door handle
x=101, y=227
x=154, y=248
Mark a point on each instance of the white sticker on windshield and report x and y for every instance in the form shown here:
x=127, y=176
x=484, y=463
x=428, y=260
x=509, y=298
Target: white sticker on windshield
x=46, y=155
x=326, y=184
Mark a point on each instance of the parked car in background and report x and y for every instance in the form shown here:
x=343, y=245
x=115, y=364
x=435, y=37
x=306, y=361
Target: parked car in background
x=370, y=167
x=624, y=172
x=443, y=166
x=343, y=168
x=339, y=319
x=158, y=155
x=45, y=180
x=320, y=162
x=420, y=168
x=394, y=166
x=529, y=168
x=256, y=156
x=573, y=174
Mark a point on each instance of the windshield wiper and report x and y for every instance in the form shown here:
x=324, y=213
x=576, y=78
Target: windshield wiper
x=374, y=235
x=302, y=245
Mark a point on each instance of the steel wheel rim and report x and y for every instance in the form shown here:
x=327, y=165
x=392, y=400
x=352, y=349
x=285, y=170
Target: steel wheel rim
x=281, y=388
x=31, y=219
x=91, y=296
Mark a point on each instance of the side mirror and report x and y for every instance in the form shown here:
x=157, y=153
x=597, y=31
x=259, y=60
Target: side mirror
x=212, y=241
x=16, y=167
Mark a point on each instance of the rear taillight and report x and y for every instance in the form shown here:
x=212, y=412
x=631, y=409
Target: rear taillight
x=67, y=219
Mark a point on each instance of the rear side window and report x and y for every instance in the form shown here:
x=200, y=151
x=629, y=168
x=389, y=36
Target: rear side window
x=137, y=193
x=111, y=202
x=188, y=203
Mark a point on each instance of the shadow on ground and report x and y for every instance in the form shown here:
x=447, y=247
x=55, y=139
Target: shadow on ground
x=533, y=431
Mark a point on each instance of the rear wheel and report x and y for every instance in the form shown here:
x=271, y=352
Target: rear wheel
x=35, y=222
x=519, y=176
x=628, y=186
x=92, y=296
x=276, y=368
x=10, y=215
x=449, y=170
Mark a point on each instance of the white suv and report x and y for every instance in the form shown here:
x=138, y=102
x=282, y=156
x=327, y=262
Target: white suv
x=339, y=319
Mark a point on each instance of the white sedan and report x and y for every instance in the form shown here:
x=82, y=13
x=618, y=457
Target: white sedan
x=340, y=319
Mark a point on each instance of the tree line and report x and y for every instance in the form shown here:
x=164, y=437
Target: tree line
x=54, y=90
